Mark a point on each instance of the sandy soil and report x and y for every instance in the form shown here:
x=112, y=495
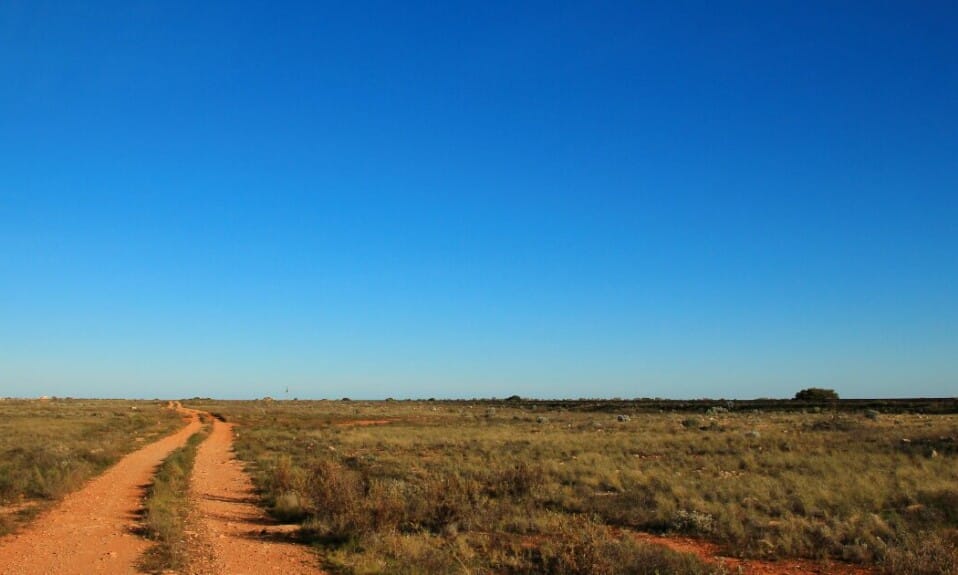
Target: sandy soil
x=710, y=552
x=233, y=535
x=92, y=530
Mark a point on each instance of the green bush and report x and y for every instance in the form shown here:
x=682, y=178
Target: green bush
x=816, y=394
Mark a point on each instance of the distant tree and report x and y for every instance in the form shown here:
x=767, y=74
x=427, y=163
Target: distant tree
x=816, y=394
x=513, y=398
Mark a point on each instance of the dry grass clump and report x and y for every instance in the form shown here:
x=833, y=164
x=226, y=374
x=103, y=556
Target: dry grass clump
x=932, y=554
x=166, y=509
x=574, y=546
x=50, y=448
x=583, y=547
x=455, y=484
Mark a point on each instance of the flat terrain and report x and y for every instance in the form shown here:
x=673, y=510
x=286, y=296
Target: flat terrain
x=91, y=530
x=521, y=487
x=49, y=448
x=503, y=487
x=98, y=528
x=235, y=535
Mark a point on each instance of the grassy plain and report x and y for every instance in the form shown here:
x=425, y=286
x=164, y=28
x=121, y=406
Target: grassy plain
x=558, y=488
x=49, y=448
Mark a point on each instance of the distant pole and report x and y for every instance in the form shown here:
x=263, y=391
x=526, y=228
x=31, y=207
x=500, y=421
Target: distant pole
x=287, y=393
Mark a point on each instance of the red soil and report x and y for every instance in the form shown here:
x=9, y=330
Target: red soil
x=711, y=553
x=92, y=530
x=234, y=535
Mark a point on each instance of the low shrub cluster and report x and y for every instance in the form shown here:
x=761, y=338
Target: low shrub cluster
x=929, y=554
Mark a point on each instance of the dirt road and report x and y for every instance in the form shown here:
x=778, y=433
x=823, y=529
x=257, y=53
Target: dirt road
x=234, y=535
x=91, y=530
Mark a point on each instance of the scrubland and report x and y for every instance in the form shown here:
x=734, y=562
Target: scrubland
x=49, y=448
x=409, y=487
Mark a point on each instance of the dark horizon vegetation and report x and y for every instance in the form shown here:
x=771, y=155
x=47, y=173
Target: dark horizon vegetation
x=902, y=402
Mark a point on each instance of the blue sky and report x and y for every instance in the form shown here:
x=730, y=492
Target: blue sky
x=670, y=199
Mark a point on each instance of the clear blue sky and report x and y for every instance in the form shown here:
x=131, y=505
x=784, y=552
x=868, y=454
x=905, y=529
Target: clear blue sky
x=556, y=199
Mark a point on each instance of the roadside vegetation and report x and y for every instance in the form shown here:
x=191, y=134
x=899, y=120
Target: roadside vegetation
x=49, y=448
x=521, y=487
x=167, y=509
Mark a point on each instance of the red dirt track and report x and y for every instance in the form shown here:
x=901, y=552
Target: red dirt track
x=91, y=530
x=235, y=536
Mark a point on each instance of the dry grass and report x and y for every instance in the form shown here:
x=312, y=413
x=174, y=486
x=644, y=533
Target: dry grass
x=167, y=509
x=479, y=489
x=50, y=448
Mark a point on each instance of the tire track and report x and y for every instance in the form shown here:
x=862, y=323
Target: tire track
x=234, y=535
x=92, y=529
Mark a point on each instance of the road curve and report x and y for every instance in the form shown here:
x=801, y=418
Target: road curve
x=91, y=530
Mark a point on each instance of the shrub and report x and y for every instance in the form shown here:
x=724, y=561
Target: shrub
x=690, y=422
x=933, y=554
x=445, y=502
x=942, y=503
x=288, y=507
x=695, y=522
x=333, y=498
x=816, y=394
x=519, y=480
x=583, y=547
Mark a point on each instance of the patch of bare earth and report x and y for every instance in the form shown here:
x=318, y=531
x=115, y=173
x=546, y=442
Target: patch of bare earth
x=711, y=553
x=233, y=535
x=92, y=529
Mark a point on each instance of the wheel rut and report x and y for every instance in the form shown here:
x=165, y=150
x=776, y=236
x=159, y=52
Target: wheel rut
x=92, y=530
x=234, y=535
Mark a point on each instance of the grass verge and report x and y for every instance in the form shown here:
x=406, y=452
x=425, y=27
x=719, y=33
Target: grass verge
x=53, y=447
x=166, y=509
